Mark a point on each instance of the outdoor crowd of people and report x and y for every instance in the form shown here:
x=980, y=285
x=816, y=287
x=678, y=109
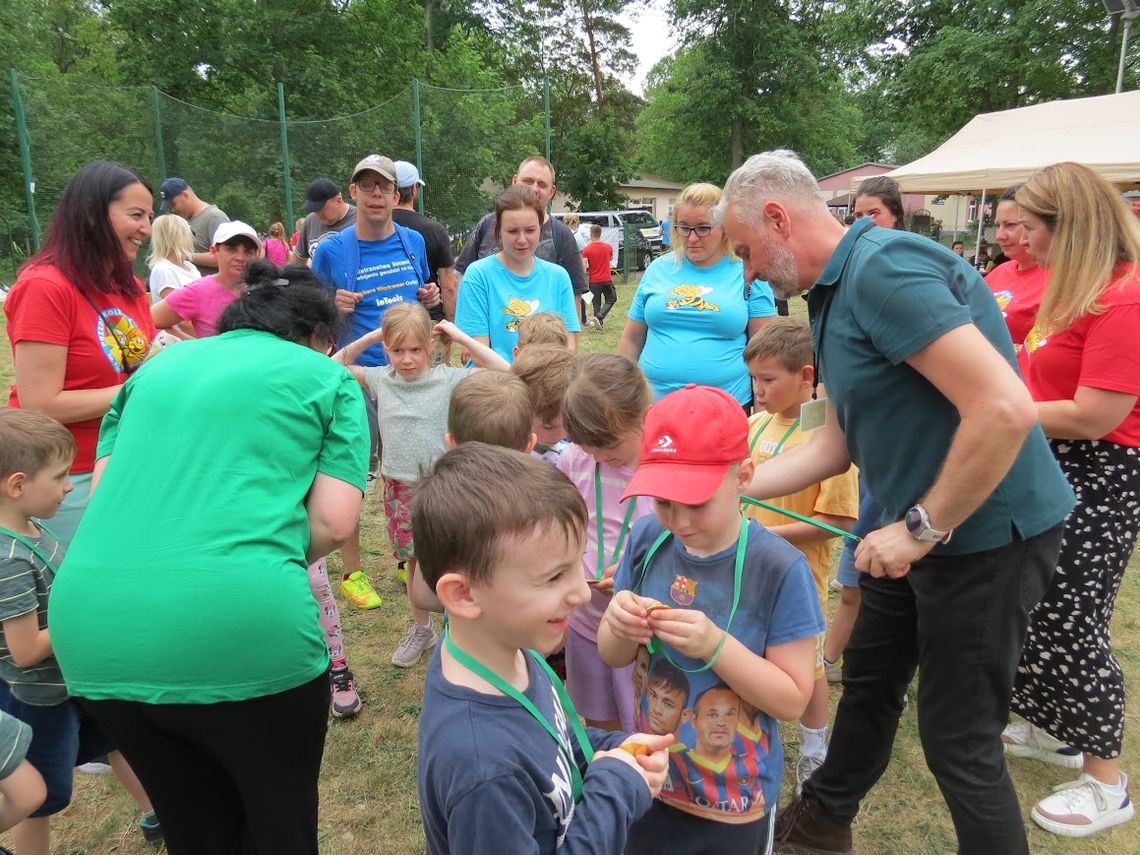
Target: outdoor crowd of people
x=615, y=636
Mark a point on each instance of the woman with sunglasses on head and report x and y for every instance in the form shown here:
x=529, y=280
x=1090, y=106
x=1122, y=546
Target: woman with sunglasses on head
x=692, y=313
x=1081, y=362
x=78, y=319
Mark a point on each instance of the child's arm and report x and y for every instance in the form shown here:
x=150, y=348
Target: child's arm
x=799, y=533
x=23, y=792
x=29, y=644
x=481, y=354
x=351, y=352
x=779, y=683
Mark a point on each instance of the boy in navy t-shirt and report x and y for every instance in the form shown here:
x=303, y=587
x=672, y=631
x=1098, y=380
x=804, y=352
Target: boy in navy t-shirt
x=503, y=762
x=728, y=604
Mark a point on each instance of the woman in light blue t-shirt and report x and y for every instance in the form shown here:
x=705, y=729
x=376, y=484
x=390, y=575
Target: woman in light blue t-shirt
x=692, y=314
x=500, y=290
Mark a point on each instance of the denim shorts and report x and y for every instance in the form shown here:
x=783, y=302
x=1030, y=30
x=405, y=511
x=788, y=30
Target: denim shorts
x=869, y=513
x=63, y=737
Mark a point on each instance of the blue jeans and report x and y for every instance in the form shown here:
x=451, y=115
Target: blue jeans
x=869, y=513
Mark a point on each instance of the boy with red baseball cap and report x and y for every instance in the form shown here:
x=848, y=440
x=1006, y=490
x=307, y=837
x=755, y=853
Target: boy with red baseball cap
x=728, y=603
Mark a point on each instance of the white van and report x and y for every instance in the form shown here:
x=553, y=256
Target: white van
x=644, y=233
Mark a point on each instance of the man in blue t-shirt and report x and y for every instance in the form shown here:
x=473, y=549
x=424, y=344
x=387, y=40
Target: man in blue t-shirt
x=370, y=266
x=376, y=263
x=923, y=395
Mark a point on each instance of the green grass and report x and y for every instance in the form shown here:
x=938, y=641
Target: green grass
x=368, y=801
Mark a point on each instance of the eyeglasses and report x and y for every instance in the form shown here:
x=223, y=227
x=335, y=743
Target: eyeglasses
x=367, y=185
x=702, y=231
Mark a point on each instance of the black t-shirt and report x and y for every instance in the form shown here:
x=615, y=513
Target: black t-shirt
x=438, y=246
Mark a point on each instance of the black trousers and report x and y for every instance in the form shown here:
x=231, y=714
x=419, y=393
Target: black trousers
x=961, y=620
x=602, y=290
x=664, y=829
x=233, y=778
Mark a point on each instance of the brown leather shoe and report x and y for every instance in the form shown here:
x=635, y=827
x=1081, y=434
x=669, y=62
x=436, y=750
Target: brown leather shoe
x=803, y=827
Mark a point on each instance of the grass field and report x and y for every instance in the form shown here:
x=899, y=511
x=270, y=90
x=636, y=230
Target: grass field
x=368, y=802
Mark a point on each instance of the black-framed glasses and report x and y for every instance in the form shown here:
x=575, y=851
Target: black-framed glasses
x=701, y=231
x=367, y=185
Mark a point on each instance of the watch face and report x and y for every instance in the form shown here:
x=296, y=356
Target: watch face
x=913, y=521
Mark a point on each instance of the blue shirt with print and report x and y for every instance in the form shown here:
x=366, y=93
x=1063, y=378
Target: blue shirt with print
x=493, y=300
x=727, y=762
x=386, y=276
x=698, y=324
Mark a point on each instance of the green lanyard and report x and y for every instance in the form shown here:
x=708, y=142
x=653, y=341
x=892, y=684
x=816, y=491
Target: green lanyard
x=32, y=546
x=655, y=644
x=601, y=532
x=748, y=500
x=480, y=670
x=783, y=439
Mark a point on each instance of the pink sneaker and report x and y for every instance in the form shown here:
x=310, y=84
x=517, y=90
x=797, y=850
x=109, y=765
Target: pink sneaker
x=346, y=702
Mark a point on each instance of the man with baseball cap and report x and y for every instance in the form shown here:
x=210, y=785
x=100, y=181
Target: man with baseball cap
x=923, y=395
x=202, y=301
x=370, y=266
x=441, y=262
x=556, y=243
x=326, y=213
x=179, y=198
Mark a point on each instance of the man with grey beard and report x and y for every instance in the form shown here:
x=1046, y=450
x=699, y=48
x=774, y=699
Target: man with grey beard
x=922, y=393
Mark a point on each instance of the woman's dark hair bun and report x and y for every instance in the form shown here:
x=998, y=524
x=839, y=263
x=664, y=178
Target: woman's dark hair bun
x=261, y=272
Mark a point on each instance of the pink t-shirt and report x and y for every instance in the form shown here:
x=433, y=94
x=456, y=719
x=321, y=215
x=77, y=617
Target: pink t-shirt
x=202, y=303
x=276, y=251
x=578, y=466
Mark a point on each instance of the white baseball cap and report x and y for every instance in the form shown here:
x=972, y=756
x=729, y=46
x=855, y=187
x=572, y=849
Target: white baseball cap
x=235, y=228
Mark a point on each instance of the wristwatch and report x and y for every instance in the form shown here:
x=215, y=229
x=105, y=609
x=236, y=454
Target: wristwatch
x=917, y=522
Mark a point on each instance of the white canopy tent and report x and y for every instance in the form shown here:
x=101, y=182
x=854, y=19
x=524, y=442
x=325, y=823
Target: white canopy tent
x=996, y=150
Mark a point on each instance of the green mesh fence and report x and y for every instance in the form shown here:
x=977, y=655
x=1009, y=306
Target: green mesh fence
x=467, y=144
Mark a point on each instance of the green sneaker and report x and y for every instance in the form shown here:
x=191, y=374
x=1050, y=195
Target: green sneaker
x=358, y=589
x=402, y=572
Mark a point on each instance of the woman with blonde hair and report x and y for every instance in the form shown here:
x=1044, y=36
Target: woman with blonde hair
x=171, y=245
x=692, y=312
x=1081, y=362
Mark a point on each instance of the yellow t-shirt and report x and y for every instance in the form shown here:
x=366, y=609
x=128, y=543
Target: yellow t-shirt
x=838, y=495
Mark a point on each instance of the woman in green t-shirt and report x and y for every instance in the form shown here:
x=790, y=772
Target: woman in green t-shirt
x=183, y=615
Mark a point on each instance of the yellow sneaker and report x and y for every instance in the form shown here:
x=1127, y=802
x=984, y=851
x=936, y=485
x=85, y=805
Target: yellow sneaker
x=358, y=589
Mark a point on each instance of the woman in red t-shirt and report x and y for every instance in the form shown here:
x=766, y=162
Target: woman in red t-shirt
x=78, y=320
x=1082, y=364
x=1019, y=283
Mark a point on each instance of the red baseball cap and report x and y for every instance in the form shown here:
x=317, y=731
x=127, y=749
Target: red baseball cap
x=692, y=437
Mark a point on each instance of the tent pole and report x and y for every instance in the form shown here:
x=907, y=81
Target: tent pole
x=957, y=219
x=981, y=225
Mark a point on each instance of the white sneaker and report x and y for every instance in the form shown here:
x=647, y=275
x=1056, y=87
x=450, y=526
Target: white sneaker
x=413, y=644
x=806, y=764
x=1022, y=739
x=95, y=767
x=1083, y=807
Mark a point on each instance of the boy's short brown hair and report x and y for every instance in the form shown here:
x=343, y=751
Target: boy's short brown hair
x=547, y=370
x=787, y=340
x=476, y=498
x=31, y=441
x=543, y=328
x=492, y=407
x=607, y=397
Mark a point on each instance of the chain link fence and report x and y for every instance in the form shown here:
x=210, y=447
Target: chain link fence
x=466, y=144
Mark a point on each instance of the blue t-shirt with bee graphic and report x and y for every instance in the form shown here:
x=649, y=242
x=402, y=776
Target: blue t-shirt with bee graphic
x=492, y=301
x=697, y=319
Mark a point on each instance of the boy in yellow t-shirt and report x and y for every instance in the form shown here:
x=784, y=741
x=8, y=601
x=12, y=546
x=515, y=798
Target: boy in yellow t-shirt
x=779, y=358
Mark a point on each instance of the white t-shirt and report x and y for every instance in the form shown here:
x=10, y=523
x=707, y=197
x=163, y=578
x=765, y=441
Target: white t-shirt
x=166, y=274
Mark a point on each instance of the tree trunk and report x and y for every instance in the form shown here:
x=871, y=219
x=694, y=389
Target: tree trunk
x=737, y=141
x=429, y=37
x=595, y=65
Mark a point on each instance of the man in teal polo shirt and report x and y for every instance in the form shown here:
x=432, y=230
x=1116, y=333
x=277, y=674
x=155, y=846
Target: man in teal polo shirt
x=923, y=395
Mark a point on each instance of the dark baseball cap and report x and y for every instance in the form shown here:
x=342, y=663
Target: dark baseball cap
x=170, y=188
x=319, y=192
